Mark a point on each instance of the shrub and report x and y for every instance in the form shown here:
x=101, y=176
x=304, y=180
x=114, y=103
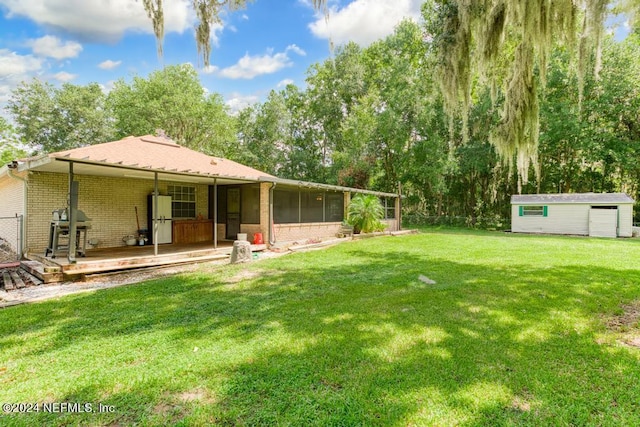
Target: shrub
x=365, y=213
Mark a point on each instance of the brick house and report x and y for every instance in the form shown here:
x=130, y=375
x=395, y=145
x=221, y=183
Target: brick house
x=212, y=199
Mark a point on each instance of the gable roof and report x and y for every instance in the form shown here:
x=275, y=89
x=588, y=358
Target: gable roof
x=564, y=198
x=158, y=154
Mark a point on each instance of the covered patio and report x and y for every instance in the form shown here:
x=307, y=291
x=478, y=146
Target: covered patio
x=184, y=205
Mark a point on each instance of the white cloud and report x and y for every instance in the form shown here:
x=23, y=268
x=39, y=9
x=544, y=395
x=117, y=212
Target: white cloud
x=210, y=69
x=237, y=102
x=249, y=67
x=109, y=64
x=364, y=21
x=284, y=83
x=64, y=77
x=15, y=68
x=296, y=49
x=99, y=20
x=245, y=17
x=12, y=64
x=53, y=47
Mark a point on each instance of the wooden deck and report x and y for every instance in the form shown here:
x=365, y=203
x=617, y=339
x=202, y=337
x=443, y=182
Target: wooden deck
x=101, y=260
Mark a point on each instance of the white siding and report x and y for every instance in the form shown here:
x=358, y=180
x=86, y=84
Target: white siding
x=567, y=219
x=625, y=220
x=560, y=219
x=12, y=199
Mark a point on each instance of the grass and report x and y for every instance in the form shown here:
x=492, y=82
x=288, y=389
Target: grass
x=514, y=332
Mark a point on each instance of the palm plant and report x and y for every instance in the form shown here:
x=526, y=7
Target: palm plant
x=365, y=213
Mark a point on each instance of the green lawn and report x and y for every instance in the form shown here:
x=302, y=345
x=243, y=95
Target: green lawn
x=516, y=330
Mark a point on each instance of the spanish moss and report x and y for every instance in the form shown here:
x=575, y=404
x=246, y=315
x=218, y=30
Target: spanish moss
x=507, y=43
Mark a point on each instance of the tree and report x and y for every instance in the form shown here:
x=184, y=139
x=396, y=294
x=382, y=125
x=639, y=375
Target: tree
x=264, y=133
x=173, y=99
x=364, y=213
x=207, y=13
x=53, y=119
x=595, y=147
x=10, y=146
x=507, y=42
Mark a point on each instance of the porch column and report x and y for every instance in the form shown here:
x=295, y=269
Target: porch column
x=347, y=200
x=155, y=214
x=215, y=213
x=72, y=208
x=264, y=211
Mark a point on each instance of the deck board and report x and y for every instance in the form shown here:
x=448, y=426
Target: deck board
x=130, y=257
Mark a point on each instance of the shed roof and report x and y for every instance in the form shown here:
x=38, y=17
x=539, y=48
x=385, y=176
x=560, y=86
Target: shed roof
x=571, y=198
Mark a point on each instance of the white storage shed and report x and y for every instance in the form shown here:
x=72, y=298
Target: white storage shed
x=587, y=214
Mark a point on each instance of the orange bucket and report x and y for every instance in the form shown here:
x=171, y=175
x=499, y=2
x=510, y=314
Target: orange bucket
x=257, y=239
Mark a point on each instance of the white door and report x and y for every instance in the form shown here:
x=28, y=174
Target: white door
x=603, y=222
x=165, y=225
x=164, y=207
x=164, y=231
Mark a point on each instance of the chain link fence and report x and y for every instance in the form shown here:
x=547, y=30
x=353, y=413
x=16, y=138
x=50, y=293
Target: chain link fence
x=10, y=238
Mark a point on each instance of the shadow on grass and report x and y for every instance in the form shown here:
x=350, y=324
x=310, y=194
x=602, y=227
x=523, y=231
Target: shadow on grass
x=314, y=340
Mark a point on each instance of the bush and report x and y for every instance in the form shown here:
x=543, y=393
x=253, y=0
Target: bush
x=365, y=213
x=492, y=222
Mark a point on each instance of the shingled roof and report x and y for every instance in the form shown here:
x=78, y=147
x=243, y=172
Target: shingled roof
x=564, y=198
x=158, y=154
x=135, y=156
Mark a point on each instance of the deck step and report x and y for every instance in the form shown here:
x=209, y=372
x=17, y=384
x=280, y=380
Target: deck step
x=37, y=270
x=83, y=269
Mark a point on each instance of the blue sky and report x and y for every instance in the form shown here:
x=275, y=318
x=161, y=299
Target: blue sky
x=257, y=49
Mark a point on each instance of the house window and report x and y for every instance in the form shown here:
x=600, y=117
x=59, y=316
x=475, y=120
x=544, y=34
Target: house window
x=311, y=206
x=389, y=204
x=183, y=201
x=250, y=204
x=286, y=206
x=292, y=206
x=533, y=211
x=334, y=207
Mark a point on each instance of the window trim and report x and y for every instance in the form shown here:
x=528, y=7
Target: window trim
x=171, y=190
x=533, y=211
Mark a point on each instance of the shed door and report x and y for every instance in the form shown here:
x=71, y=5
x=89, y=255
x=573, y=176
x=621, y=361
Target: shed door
x=603, y=222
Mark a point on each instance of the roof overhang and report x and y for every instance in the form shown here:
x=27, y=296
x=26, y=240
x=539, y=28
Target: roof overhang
x=572, y=198
x=139, y=171
x=60, y=164
x=305, y=184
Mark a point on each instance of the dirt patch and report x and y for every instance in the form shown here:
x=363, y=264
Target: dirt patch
x=520, y=404
x=633, y=342
x=627, y=320
x=627, y=324
x=244, y=275
x=196, y=395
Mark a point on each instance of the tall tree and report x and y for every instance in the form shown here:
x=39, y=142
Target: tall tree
x=53, y=119
x=173, y=99
x=508, y=42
